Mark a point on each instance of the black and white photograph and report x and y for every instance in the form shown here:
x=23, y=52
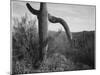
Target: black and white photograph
x=52, y=37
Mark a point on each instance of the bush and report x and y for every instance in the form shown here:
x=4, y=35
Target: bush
x=24, y=42
x=56, y=63
x=85, y=56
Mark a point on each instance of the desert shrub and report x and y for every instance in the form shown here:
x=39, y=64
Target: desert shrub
x=57, y=62
x=85, y=56
x=83, y=50
x=86, y=48
x=24, y=41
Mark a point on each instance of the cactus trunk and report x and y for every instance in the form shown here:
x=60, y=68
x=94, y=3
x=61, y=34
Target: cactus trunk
x=43, y=29
x=42, y=16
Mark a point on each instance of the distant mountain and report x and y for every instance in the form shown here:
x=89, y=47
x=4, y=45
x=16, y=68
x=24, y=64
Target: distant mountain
x=82, y=39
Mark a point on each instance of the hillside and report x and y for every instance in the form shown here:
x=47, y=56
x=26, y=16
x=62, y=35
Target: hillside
x=60, y=57
x=83, y=50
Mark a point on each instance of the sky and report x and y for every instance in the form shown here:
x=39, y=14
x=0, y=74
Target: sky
x=78, y=17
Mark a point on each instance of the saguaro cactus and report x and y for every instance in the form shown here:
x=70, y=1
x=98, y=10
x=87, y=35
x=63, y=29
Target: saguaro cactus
x=42, y=16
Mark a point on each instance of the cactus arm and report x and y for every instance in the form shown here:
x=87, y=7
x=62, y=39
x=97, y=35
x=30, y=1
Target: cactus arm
x=32, y=10
x=54, y=19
